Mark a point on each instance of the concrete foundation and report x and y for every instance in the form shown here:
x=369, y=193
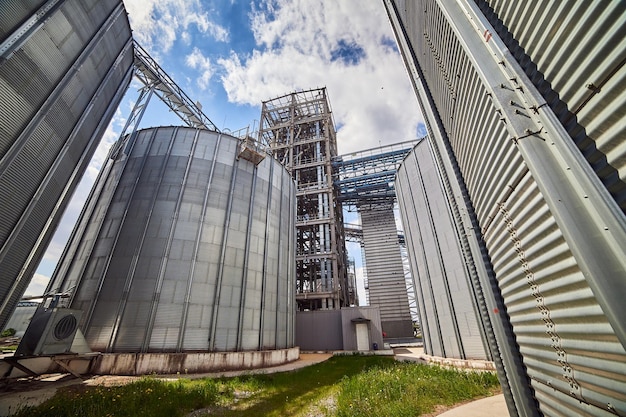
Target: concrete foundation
x=192, y=363
x=146, y=363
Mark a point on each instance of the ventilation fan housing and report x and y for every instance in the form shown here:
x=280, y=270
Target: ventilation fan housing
x=51, y=332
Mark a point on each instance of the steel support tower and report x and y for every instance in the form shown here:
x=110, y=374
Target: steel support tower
x=366, y=182
x=300, y=131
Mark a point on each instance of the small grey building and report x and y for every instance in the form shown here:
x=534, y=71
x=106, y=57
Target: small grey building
x=351, y=328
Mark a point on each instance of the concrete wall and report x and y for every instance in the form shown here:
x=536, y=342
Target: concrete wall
x=335, y=330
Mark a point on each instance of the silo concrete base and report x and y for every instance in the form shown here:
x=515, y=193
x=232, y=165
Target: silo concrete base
x=189, y=363
x=144, y=363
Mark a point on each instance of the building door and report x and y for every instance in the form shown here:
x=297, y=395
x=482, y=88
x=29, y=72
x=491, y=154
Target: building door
x=362, y=336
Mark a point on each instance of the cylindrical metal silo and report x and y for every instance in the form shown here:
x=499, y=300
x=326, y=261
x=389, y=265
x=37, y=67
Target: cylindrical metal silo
x=447, y=306
x=184, y=246
x=64, y=67
x=524, y=108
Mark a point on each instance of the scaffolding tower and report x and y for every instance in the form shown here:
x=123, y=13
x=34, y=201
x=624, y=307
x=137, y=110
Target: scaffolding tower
x=299, y=129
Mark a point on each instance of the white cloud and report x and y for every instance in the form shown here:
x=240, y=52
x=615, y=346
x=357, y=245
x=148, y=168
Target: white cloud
x=196, y=60
x=299, y=46
x=37, y=285
x=157, y=24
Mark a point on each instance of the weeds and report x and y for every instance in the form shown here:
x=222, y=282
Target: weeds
x=361, y=385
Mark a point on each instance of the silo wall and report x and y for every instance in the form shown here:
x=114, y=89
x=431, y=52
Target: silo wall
x=183, y=246
x=447, y=305
x=64, y=67
x=524, y=109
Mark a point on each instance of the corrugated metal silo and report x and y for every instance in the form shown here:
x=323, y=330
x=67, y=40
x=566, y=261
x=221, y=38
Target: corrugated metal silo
x=64, y=67
x=447, y=305
x=524, y=103
x=184, y=246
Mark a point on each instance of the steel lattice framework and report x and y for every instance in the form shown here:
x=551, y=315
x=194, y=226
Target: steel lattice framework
x=150, y=73
x=300, y=132
x=367, y=177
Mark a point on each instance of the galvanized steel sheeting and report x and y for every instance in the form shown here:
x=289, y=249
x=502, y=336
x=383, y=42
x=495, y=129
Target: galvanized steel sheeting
x=574, y=52
x=555, y=237
x=385, y=272
x=185, y=248
x=61, y=80
x=448, y=307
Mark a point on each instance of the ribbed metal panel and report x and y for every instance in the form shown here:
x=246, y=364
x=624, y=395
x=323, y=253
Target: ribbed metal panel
x=574, y=53
x=450, y=325
x=385, y=273
x=14, y=13
x=555, y=237
x=59, y=86
x=180, y=248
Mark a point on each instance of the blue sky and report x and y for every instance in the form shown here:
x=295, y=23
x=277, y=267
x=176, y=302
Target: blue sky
x=231, y=55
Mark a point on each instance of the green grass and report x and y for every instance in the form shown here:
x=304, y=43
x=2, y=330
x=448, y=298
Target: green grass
x=292, y=393
x=410, y=390
x=361, y=385
x=146, y=397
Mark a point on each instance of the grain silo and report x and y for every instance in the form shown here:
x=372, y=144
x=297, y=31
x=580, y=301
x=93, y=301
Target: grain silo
x=64, y=67
x=448, y=308
x=185, y=245
x=524, y=104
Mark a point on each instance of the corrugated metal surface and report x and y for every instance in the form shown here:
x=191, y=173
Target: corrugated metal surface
x=574, y=52
x=183, y=249
x=16, y=14
x=385, y=273
x=58, y=90
x=554, y=236
x=450, y=325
